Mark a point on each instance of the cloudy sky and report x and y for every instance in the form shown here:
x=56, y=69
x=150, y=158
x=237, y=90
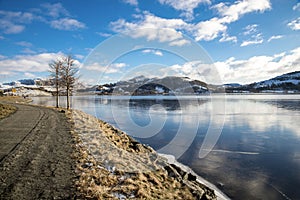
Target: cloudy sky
x=245, y=40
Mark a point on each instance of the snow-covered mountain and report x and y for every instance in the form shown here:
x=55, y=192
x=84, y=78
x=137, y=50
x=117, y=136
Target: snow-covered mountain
x=282, y=81
x=141, y=85
x=286, y=83
x=28, y=87
x=34, y=87
x=150, y=86
x=31, y=82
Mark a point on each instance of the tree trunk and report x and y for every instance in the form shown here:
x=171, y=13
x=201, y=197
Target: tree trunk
x=57, y=96
x=57, y=83
x=68, y=98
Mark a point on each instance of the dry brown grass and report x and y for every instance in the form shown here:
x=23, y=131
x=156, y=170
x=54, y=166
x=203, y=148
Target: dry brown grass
x=97, y=181
x=14, y=99
x=6, y=110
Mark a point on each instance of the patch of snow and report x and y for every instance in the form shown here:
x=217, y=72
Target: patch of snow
x=120, y=90
x=109, y=167
x=119, y=196
x=273, y=91
x=50, y=88
x=159, y=89
x=31, y=92
x=269, y=83
x=137, y=79
x=185, y=78
x=105, y=88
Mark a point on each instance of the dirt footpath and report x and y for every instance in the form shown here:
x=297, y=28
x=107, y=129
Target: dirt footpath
x=35, y=155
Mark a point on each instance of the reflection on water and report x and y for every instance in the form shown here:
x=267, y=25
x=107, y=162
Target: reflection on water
x=256, y=157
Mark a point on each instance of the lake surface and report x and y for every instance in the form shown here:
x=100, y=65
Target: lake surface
x=253, y=149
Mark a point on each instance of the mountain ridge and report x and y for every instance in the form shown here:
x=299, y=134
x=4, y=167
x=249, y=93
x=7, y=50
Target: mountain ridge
x=170, y=85
x=285, y=83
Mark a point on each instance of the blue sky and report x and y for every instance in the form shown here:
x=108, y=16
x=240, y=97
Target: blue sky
x=243, y=40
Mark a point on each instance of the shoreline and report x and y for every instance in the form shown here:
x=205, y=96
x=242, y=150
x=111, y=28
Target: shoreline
x=220, y=195
x=171, y=159
x=130, y=164
x=83, y=148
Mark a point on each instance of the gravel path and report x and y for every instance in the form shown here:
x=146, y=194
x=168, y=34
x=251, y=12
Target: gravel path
x=35, y=155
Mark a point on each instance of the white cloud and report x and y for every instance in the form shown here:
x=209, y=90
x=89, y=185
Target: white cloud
x=10, y=28
x=275, y=37
x=131, y=2
x=18, y=17
x=153, y=28
x=104, y=34
x=14, y=22
x=28, y=51
x=257, y=39
x=118, y=65
x=250, y=29
x=258, y=68
x=295, y=24
x=99, y=68
x=67, y=24
x=235, y=11
x=196, y=70
x=24, y=44
x=227, y=38
x=59, y=18
x=254, y=69
x=108, y=69
x=179, y=42
x=209, y=30
x=296, y=7
x=55, y=10
x=28, y=63
x=155, y=52
x=29, y=75
x=54, y=14
x=2, y=57
x=78, y=56
x=173, y=28
x=187, y=6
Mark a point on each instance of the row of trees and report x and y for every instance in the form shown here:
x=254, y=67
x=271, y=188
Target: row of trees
x=64, y=73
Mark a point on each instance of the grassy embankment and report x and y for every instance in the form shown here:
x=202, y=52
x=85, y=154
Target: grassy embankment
x=6, y=109
x=106, y=176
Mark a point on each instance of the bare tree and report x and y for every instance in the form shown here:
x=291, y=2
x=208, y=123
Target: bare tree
x=68, y=75
x=55, y=70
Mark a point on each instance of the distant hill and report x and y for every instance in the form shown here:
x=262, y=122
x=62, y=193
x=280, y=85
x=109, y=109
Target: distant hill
x=286, y=83
x=151, y=86
x=31, y=82
x=33, y=87
x=170, y=85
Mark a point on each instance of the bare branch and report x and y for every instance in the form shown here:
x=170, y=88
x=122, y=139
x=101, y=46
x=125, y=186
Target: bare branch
x=55, y=68
x=68, y=74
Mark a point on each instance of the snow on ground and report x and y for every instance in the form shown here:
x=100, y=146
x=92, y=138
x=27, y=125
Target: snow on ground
x=26, y=90
x=31, y=92
x=277, y=82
